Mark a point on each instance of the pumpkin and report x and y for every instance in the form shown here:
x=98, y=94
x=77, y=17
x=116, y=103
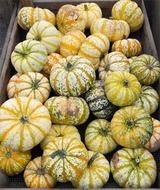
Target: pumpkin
x=71, y=43
x=13, y=162
x=98, y=137
x=113, y=29
x=65, y=158
x=148, y=100
x=67, y=110
x=47, y=34
x=130, y=12
x=57, y=131
x=90, y=12
x=24, y=122
x=122, y=88
x=70, y=18
x=73, y=76
x=96, y=174
x=36, y=176
x=94, y=48
x=133, y=168
x=131, y=127
x=115, y=61
x=27, y=16
x=98, y=102
x=29, y=55
x=129, y=47
x=146, y=68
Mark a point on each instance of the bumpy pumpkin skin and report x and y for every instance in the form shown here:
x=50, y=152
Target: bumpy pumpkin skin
x=29, y=56
x=96, y=174
x=90, y=12
x=13, y=162
x=113, y=29
x=71, y=43
x=122, y=88
x=65, y=159
x=131, y=127
x=130, y=12
x=27, y=16
x=98, y=137
x=115, y=61
x=73, y=76
x=67, y=111
x=133, y=168
x=69, y=18
x=94, y=47
x=24, y=122
x=36, y=176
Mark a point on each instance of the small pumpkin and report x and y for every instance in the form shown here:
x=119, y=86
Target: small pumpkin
x=133, y=168
x=131, y=127
x=29, y=55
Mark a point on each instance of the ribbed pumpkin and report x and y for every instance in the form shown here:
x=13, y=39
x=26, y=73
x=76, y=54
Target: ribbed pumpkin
x=29, y=55
x=115, y=61
x=47, y=34
x=148, y=100
x=134, y=168
x=73, y=76
x=27, y=16
x=68, y=111
x=122, y=88
x=94, y=48
x=113, y=29
x=131, y=127
x=36, y=176
x=13, y=162
x=90, y=12
x=71, y=43
x=24, y=122
x=65, y=159
x=70, y=18
x=130, y=12
x=146, y=68
x=98, y=137
x=96, y=174
x=98, y=102
x=57, y=131
x=129, y=47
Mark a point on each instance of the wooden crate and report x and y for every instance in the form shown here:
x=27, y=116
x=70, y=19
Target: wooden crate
x=16, y=34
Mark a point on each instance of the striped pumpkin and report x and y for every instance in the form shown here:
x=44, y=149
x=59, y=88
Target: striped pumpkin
x=113, y=29
x=70, y=18
x=98, y=137
x=13, y=162
x=131, y=127
x=24, y=122
x=65, y=159
x=134, y=168
x=115, y=61
x=73, y=76
x=96, y=174
x=129, y=47
x=29, y=55
x=130, y=12
x=146, y=68
x=27, y=16
x=122, y=88
x=94, y=48
x=71, y=43
x=36, y=176
x=57, y=131
x=90, y=12
x=148, y=100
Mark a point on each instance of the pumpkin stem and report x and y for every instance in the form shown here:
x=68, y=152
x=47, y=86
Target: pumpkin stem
x=60, y=153
x=91, y=160
x=40, y=171
x=23, y=54
x=130, y=123
x=136, y=161
x=69, y=66
x=35, y=84
x=38, y=38
x=24, y=119
x=85, y=7
x=150, y=67
x=8, y=155
x=125, y=83
x=103, y=131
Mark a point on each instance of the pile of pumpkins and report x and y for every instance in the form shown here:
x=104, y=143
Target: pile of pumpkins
x=102, y=75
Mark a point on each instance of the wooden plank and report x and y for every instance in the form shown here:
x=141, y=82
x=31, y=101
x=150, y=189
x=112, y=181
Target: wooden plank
x=26, y=3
